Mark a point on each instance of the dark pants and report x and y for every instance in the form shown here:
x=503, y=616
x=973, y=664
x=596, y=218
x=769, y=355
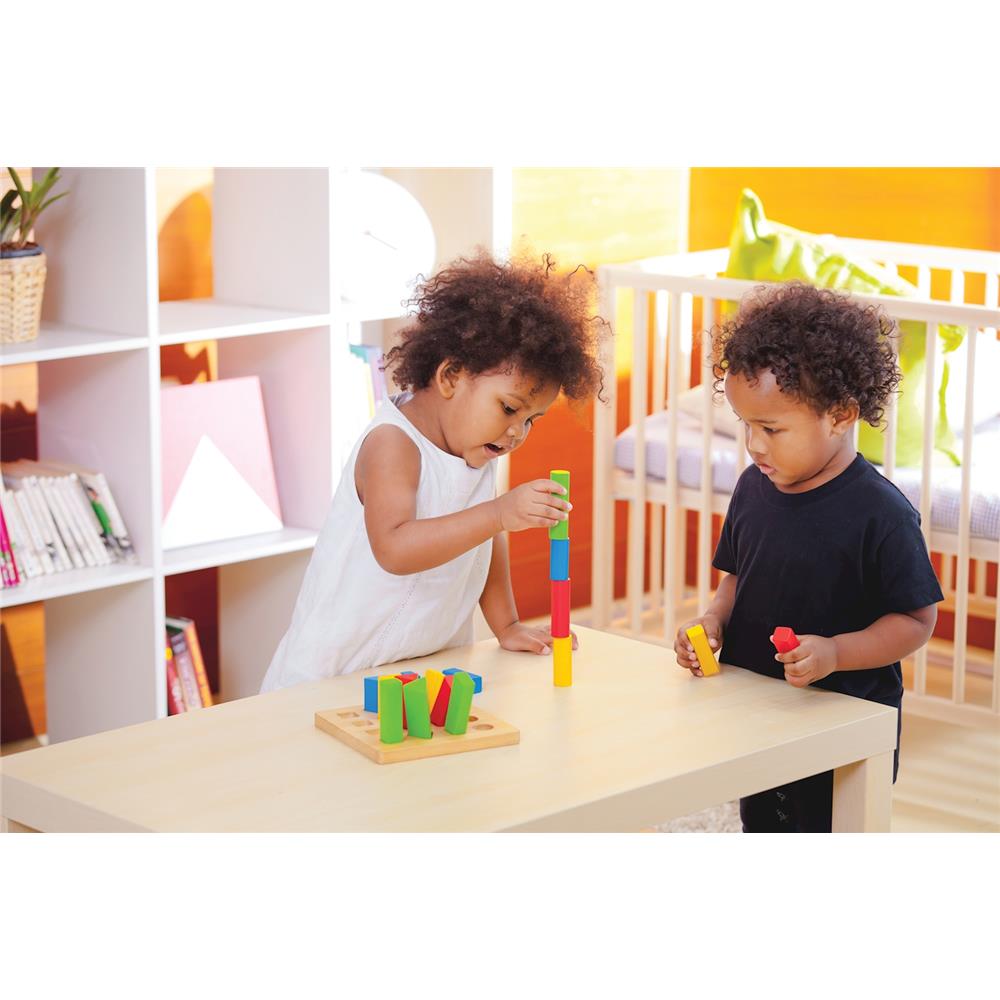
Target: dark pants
x=804, y=806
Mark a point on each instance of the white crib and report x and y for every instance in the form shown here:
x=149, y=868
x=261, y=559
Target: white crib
x=948, y=680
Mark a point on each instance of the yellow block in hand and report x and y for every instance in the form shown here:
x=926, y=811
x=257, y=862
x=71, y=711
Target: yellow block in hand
x=706, y=658
x=562, y=661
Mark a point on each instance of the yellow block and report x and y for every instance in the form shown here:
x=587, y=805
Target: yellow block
x=706, y=658
x=434, y=681
x=562, y=661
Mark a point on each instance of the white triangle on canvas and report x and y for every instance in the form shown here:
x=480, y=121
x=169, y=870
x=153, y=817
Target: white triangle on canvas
x=214, y=502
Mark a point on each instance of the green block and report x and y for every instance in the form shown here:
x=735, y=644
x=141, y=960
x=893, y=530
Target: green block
x=418, y=711
x=390, y=700
x=457, y=720
x=561, y=530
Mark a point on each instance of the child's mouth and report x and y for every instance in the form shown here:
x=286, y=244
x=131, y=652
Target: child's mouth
x=494, y=449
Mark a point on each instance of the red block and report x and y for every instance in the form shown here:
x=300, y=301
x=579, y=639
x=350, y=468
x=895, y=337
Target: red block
x=560, y=608
x=784, y=639
x=406, y=678
x=440, y=711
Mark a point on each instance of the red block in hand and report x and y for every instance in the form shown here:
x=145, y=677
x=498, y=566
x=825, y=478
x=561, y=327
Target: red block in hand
x=440, y=710
x=560, y=609
x=406, y=678
x=784, y=639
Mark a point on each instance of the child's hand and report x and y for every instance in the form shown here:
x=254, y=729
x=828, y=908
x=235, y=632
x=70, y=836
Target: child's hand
x=814, y=658
x=521, y=638
x=532, y=505
x=686, y=656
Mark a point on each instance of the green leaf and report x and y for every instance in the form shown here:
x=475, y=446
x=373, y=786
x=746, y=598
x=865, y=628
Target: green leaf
x=41, y=208
x=42, y=188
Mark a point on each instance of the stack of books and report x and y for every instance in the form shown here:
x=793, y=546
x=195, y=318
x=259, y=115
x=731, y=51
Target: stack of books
x=57, y=516
x=187, y=682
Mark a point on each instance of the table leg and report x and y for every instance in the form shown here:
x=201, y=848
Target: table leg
x=862, y=795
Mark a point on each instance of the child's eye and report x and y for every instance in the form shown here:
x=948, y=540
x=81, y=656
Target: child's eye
x=510, y=411
x=770, y=430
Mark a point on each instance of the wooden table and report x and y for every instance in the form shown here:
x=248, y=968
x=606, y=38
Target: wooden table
x=634, y=742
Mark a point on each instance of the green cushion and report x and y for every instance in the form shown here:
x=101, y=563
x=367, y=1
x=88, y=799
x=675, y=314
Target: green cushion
x=761, y=250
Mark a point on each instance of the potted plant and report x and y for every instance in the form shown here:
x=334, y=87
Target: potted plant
x=22, y=263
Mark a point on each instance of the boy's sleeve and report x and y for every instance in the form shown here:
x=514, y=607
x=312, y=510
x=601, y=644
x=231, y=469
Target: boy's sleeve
x=906, y=578
x=725, y=552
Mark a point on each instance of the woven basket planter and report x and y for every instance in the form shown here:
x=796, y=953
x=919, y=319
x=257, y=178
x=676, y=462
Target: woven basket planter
x=22, y=281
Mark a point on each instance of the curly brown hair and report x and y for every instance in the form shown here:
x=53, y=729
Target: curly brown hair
x=824, y=348
x=485, y=314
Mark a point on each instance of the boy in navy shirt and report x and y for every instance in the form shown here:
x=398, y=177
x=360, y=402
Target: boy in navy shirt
x=815, y=538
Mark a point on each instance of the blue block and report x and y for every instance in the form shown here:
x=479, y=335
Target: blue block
x=559, y=559
x=477, y=681
x=371, y=694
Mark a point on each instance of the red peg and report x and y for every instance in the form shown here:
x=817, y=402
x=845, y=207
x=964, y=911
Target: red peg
x=784, y=639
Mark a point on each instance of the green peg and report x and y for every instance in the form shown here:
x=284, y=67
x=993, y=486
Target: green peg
x=418, y=712
x=560, y=530
x=390, y=701
x=457, y=720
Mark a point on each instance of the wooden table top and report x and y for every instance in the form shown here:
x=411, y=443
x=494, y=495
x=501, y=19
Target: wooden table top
x=635, y=741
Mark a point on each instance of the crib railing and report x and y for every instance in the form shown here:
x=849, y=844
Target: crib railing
x=659, y=298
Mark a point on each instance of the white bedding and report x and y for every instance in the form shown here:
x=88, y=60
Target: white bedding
x=946, y=479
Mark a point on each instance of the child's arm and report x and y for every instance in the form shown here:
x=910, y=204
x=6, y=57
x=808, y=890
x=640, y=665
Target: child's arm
x=500, y=611
x=386, y=476
x=886, y=640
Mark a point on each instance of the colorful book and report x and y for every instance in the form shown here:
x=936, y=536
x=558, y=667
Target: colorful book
x=185, y=668
x=175, y=693
x=187, y=627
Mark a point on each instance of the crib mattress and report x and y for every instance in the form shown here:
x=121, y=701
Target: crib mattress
x=946, y=480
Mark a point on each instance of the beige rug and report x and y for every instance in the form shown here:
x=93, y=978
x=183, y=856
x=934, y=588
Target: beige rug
x=718, y=819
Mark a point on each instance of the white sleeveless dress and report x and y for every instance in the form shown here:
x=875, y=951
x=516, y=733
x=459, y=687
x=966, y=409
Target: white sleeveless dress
x=350, y=613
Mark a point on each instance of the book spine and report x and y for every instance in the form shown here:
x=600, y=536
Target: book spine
x=24, y=552
x=175, y=693
x=185, y=669
x=114, y=515
x=65, y=523
x=8, y=568
x=91, y=487
x=50, y=534
x=194, y=647
x=86, y=521
x=26, y=510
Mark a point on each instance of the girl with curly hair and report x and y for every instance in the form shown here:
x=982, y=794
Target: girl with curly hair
x=416, y=536
x=815, y=538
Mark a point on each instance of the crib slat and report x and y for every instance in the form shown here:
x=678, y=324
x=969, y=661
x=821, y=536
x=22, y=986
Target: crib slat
x=958, y=287
x=920, y=659
x=980, y=582
x=670, y=554
x=964, y=513
x=677, y=564
x=924, y=281
x=602, y=560
x=637, y=505
x=659, y=400
x=707, y=428
x=992, y=299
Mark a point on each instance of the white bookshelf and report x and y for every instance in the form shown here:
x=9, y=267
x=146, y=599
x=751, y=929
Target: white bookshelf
x=276, y=314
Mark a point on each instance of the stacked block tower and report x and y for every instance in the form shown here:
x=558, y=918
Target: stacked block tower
x=562, y=642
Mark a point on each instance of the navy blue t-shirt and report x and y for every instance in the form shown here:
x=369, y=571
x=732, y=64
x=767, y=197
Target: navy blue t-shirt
x=833, y=559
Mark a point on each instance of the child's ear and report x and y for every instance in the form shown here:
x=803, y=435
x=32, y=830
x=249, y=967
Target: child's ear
x=844, y=416
x=446, y=377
